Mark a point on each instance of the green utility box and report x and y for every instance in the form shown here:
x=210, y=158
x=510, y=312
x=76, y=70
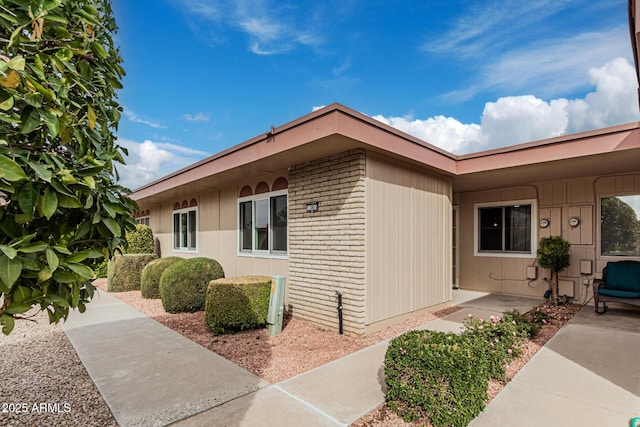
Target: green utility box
x=276, y=305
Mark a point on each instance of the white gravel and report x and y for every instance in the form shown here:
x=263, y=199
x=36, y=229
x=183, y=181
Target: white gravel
x=43, y=382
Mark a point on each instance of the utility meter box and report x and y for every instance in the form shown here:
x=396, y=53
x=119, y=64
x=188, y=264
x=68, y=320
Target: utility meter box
x=275, y=314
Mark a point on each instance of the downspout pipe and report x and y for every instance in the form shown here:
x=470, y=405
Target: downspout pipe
x=340, y=320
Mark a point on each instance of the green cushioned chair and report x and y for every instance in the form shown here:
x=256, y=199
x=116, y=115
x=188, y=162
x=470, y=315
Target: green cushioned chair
x=620, y=283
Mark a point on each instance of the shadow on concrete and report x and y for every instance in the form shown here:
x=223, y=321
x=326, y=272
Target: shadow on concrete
x=607, y=345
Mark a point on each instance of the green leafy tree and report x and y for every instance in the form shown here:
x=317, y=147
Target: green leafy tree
x=553, y=254
x=61, y=211
x=620, y=228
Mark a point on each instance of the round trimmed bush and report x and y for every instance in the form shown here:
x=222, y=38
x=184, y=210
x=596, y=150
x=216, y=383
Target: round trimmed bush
x=183, y=285
x=150, y=279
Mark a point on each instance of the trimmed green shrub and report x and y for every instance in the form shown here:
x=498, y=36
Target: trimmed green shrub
x=124, y=271
x=435, y=376
x=443, y=378
x=183, y=285
x=150, y=278
x=237, y=303
x=140, y=240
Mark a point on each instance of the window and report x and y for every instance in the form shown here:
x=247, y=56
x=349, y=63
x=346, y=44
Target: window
x=620, y=226
x=262, y=223
x=505, y=229
x=185, y=229
x=144, y=220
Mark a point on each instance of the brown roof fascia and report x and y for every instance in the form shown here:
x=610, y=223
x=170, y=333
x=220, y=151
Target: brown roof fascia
x=600, y=141
x=323, y=122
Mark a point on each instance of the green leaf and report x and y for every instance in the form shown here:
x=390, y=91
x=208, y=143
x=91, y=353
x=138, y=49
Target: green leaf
x=42, y=172
x=51, y=121
x=62, y=250
x=64, y=276
x=57, y=299
x=113, y=226
x=33, y=247
x=21, y=294
x=10, y=270
x=30, y=120
x=8, y=251
x=44, y=275
x=64, y=54
x=82, y=270
x=27, y=198
x=16, y=308
x=50, y=203
x=82, y=255
x=68, y=202
x=7, y=104
x=7, y=323
x=52, y=259
x=17, y=63
x=10, y=170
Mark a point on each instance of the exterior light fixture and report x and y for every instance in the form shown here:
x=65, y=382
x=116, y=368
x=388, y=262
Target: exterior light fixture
x=544, y=223
x=574, y=222
x=312, y=207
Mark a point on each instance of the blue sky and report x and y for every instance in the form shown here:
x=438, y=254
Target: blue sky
x=204, y=75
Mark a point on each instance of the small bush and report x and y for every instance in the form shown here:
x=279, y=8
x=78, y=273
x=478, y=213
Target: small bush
x=237, y=303
x=183, y=285
x=124, y=271
x=435, y=376
x=140, y=240
x=150, y=279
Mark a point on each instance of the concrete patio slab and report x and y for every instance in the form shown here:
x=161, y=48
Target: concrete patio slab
x=270, y=406
x=501, y=302
x=104, y=308
x=148, y=374
x=584, y=375
x=628, y=320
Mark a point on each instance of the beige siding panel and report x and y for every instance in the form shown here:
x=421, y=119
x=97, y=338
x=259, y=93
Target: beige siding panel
x=558, y=201
x=408, y=229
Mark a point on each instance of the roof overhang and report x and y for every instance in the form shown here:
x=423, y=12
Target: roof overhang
x=613, y=150
x=328, y=131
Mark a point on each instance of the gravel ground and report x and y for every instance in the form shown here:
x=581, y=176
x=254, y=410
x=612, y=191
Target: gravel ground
x=43, y=383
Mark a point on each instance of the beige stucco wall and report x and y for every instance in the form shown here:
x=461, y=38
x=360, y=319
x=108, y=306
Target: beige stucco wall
x=217, y=230
x=557, y=201
x=326, y=248
x=408, y=239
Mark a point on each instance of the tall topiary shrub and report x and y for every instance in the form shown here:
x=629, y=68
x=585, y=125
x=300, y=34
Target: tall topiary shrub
x=553, y=254
x=183, y=285
x=140, y=240
x=61, y=210
x=150, y=280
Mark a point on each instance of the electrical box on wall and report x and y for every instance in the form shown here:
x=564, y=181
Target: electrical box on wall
x=565, y=287
x=532, y=273
x=585, y=267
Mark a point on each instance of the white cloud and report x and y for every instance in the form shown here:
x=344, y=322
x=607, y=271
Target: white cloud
x=149, y=160
x=135, y=119
x=516, y=119
x=199, y=117
x=317, y=107
x=270, y=26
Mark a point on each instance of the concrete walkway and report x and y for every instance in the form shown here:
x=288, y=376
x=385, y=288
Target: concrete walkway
x=150, y=375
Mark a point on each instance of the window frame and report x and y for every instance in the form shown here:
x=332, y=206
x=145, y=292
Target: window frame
x=599, y=227
x=144, y=220
x=503, y=204
x=181, y=212
x=258, y=253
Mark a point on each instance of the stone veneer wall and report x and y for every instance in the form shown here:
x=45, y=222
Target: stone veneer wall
x=327, y=248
